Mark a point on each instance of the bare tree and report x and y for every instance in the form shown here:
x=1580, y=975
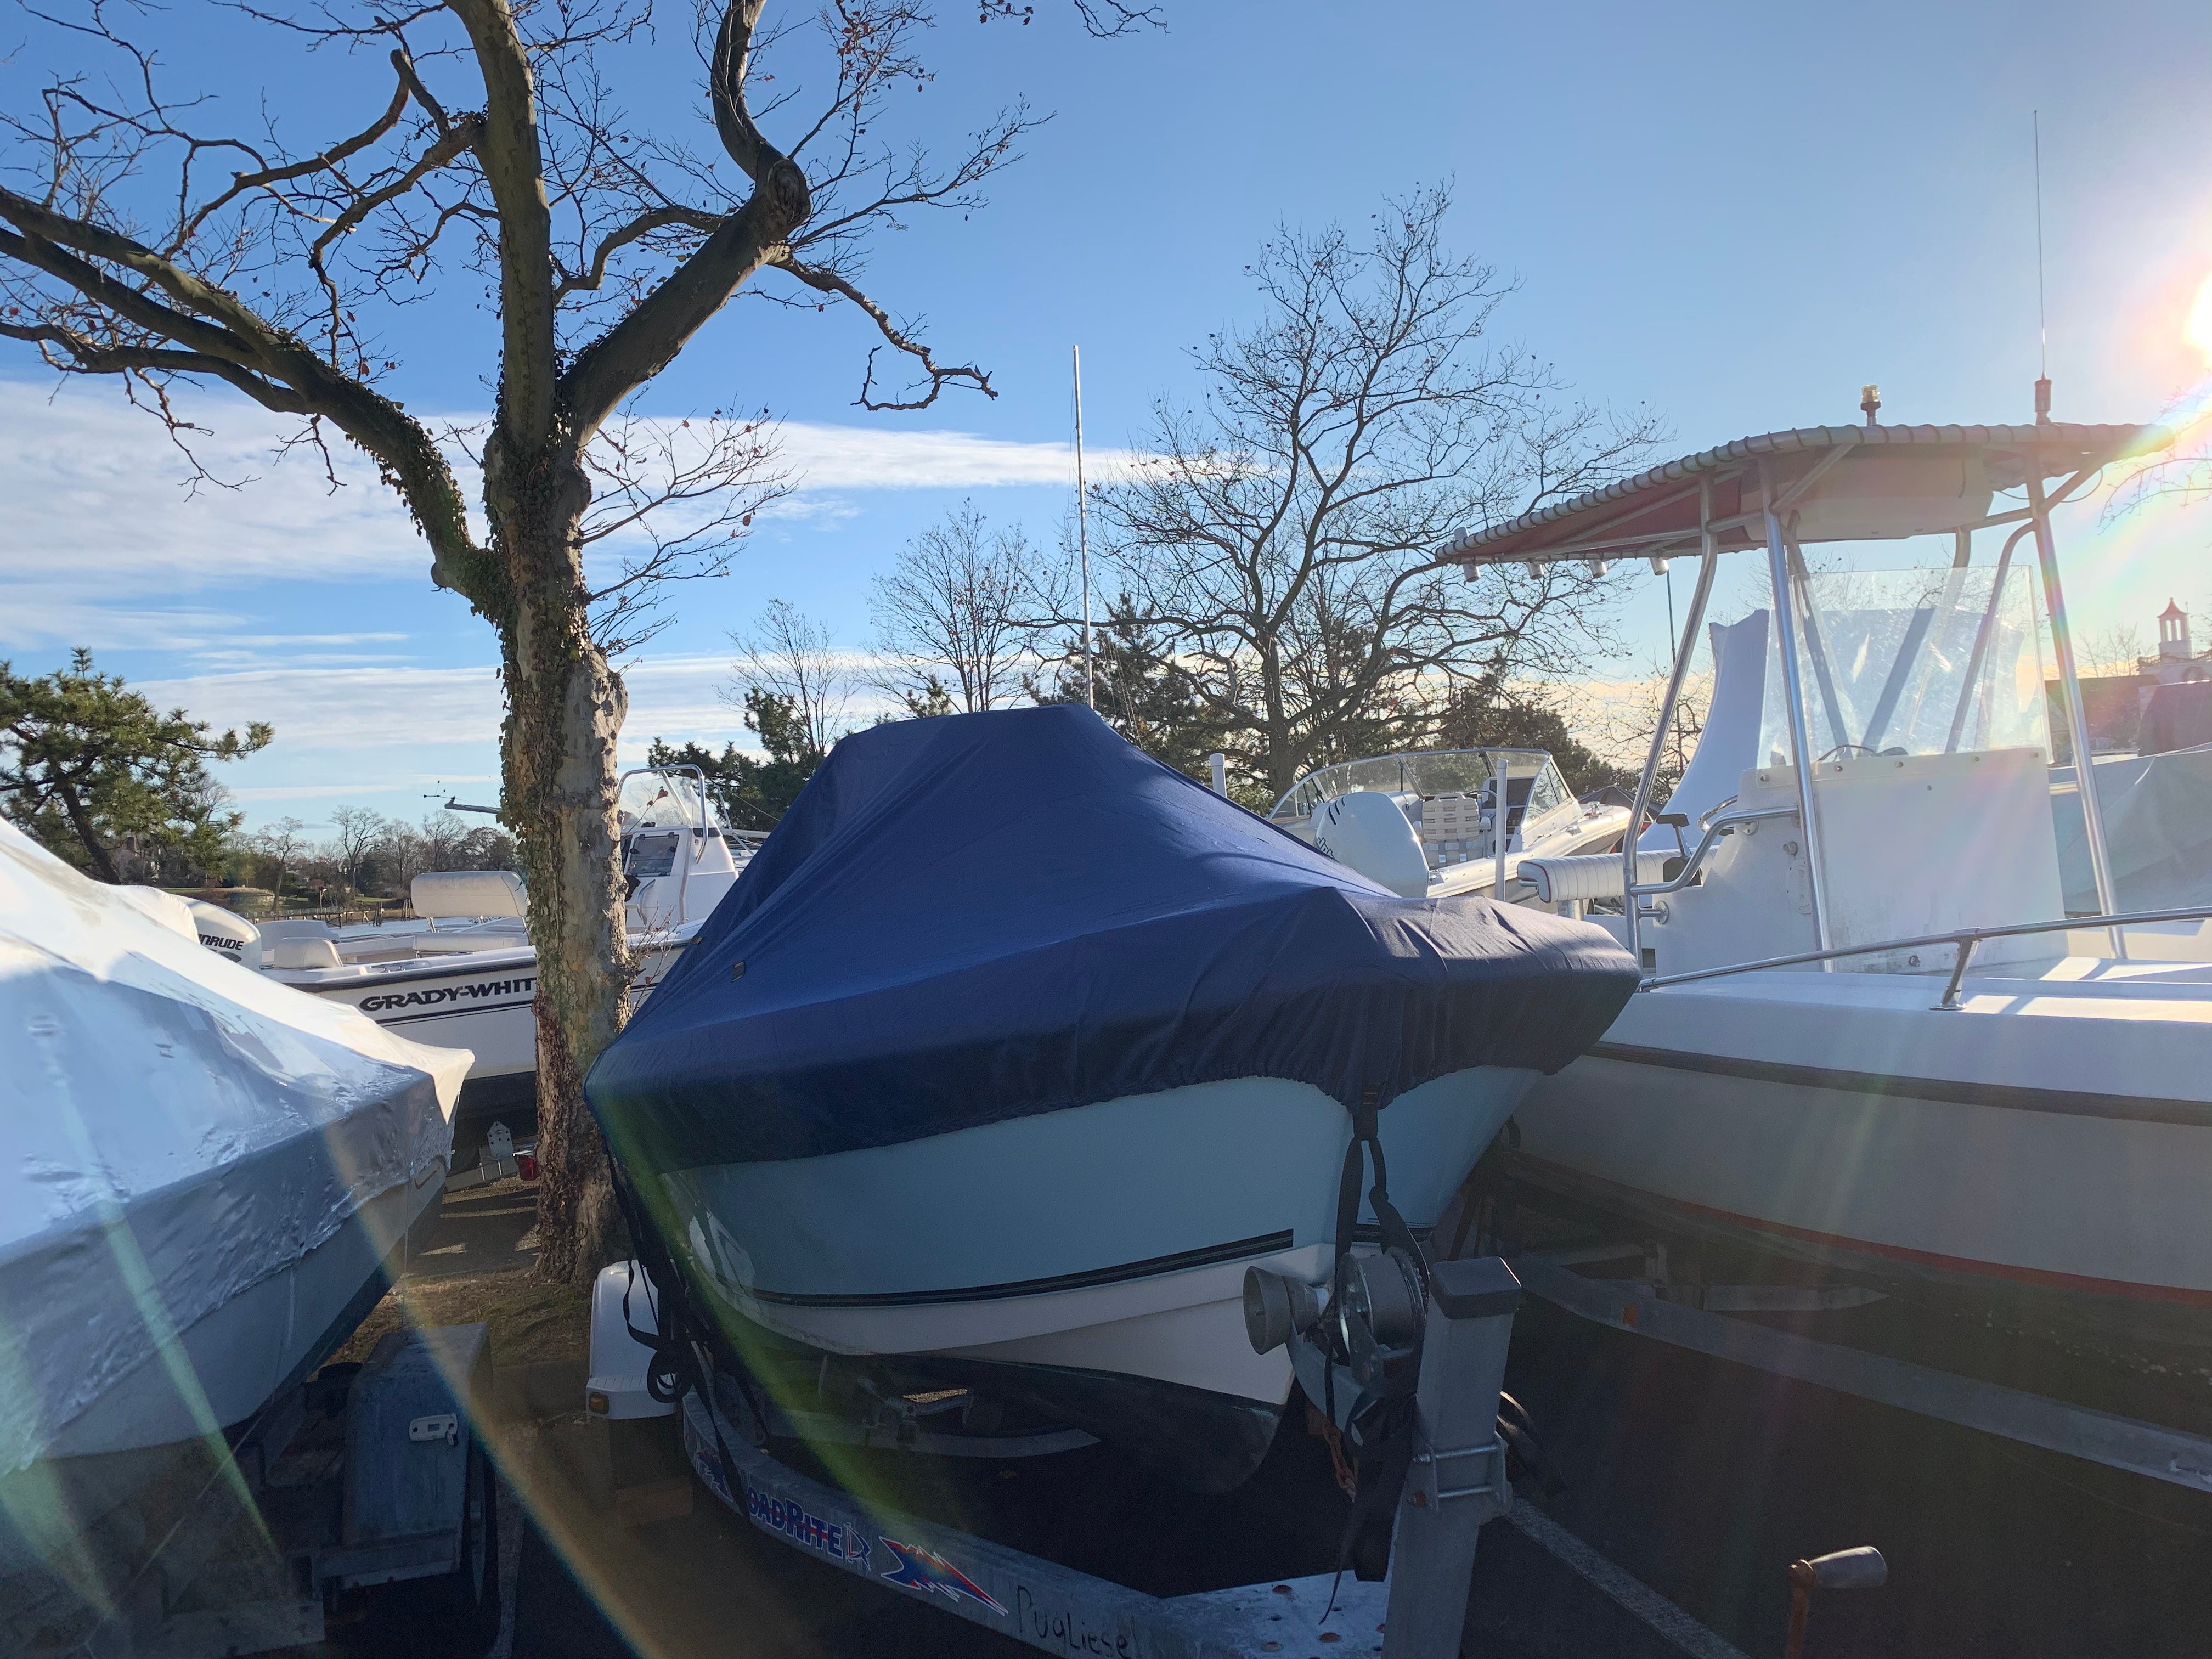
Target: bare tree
x=602, y=242
x=1286, y=532
x=786, y=654
x=956, y=606
x=2114, y=650
x=358, y=829
x=284, y=841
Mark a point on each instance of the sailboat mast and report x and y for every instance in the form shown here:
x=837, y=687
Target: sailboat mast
x=1083, y=534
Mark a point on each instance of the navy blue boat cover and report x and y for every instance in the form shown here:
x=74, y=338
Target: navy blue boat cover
x=976, y=917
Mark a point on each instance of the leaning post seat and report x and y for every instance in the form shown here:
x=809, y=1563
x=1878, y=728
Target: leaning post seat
x=1588, y=876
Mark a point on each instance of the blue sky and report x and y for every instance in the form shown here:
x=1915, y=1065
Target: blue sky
x=1737, y=213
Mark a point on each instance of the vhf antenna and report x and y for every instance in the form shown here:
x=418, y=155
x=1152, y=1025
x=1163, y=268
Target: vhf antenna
x=2042, y=311
x=1083, y=534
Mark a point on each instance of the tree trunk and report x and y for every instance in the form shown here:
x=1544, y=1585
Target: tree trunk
x=564, y=711
x=103, y=866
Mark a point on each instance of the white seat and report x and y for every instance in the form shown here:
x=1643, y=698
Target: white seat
x=310, y=953
x=1587, y=876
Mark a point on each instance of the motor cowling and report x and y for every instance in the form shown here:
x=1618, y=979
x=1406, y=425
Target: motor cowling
x=225, y=933
x=1366, y=830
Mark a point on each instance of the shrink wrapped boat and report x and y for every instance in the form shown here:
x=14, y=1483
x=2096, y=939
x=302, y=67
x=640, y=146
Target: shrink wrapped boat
x=204, y=1178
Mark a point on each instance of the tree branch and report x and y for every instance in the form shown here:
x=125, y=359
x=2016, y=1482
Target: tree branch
x=88, y=357
x=825, y=281
x=242, y=182
x=660, y=218
x=644, y=341
x=513, y=162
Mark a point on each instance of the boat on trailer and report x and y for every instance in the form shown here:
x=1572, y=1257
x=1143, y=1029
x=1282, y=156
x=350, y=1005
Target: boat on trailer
x=1449, y=800
x=469, y=978
x=1014, y=1049
x=206, y=1181
x=1869, y=1034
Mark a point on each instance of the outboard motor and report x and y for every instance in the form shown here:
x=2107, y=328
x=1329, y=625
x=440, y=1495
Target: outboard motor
x=1366, y=830
x=225, y=934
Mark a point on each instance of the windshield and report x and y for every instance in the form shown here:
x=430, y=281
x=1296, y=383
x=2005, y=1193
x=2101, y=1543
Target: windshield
x=1913, y=662
x=656, y=799
x=1534, y=782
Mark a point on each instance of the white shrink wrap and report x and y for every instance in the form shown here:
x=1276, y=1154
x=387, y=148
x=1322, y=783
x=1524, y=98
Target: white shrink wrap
x=200, y=1171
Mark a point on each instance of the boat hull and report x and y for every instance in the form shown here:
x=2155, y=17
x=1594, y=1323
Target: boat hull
x=1087, y=1264
x=2047, y=1148
x=484, y=1002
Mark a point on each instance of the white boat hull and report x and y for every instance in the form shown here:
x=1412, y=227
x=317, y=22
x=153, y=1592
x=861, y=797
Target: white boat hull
x=483, y=1001
x=2049, y=1142
x=1089, y=1263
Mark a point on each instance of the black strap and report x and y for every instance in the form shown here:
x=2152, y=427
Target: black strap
x=1382, y=1433
x=1381, y=1456
x=676, y=1367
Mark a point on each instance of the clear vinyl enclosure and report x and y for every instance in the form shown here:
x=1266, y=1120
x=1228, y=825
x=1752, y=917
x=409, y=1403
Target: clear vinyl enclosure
x=1913, y=662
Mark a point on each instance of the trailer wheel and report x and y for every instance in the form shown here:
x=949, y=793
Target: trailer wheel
x=457, y=1615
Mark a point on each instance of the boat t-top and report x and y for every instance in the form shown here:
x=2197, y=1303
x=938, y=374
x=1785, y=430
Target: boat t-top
x=1869, y=1034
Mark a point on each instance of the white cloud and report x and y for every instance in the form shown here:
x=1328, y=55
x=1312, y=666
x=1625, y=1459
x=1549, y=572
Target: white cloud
x=345, y=709
x=867, y=458
x=350, y=709
x=41, y=611
x=100, y=499
x=103, y=514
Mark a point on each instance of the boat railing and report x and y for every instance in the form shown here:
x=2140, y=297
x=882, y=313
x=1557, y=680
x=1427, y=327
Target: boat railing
x=1966, y=941
x=1695, y=860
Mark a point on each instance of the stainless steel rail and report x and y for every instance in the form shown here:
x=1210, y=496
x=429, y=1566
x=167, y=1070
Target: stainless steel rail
x=1966, y=940
x=1714, y=831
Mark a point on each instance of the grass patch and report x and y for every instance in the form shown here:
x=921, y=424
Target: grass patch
x=530, y=1320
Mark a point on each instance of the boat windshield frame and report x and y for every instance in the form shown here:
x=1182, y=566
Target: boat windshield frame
x=707, y=819
x=1301, y=800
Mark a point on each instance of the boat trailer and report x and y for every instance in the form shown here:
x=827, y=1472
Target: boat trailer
x=2153, y=1450
x=365, y=1487
x=1456, y=1481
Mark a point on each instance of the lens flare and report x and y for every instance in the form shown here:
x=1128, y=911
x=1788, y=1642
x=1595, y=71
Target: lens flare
x=2198, y=330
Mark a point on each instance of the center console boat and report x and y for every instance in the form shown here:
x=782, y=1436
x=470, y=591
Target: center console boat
x=1869, y=1033
x=1014, y=1049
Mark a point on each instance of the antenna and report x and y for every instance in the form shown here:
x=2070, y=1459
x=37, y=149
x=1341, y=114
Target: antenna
x=2042, y=311
x=1083, y=534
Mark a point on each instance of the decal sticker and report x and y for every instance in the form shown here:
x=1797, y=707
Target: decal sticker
x=436, y=994
x=920, y=1570
x=802, y=1526
x=706, y=1462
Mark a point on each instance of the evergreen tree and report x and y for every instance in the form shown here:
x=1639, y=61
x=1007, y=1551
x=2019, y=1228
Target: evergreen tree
x=88, y=766
x=1142, y=692
x=1481, y=717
